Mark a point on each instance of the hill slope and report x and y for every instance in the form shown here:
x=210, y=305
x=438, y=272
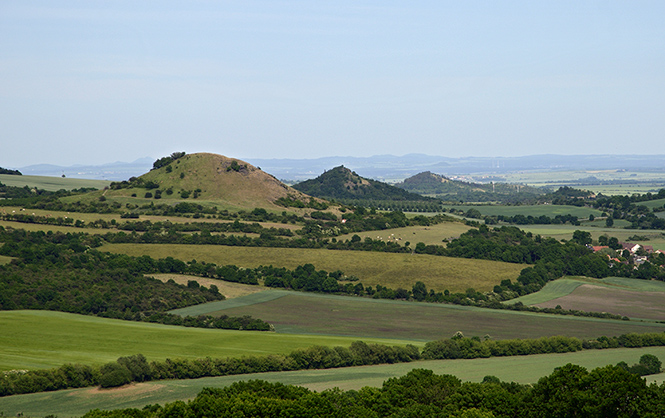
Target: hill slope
x=210, y=178
x=429, y=183
x=344, y=184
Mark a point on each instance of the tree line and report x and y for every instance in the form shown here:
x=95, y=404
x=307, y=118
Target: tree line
x=137, y=369
x=569, y=391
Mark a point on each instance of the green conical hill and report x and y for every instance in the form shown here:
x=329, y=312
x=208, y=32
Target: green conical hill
x=342, y=183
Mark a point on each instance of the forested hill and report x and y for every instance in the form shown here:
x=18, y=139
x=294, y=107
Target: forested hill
x=8, y=171
x=343, y=184
x=428, y=183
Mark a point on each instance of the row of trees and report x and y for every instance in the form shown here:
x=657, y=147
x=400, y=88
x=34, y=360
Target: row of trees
x=137, y=369
x=569, y=391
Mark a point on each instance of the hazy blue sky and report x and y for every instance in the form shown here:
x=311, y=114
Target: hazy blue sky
x=101, y=81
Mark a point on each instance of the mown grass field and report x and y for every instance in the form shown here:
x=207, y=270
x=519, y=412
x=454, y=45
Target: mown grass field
x=430, y=235
x=51, y=183
x=522, y=369
x=386, y=269
x=310, y=313
x=533, y=210
x=45, y=339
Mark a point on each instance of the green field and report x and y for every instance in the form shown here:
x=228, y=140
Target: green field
x=45, y=339
x=51, y=183
x=379, y=318
x=522, y=369
x=387, y=269
x=533, y=210
x=4, y=259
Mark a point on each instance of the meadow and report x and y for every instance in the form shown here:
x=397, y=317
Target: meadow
x=46, y=339
x=310, y=313
x=372, y=268
x=533, y=210
x=521, y=369
x=51, y=184
x=430, y=235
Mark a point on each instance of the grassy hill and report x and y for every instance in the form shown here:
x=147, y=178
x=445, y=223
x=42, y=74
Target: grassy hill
x=206, y=179
x=343, y=184
x=428, y=183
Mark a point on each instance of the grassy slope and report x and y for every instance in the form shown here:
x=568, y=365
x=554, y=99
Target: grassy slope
x=44, y=339
x=430, y=235
x=387, y=269
x=522, y=369
x=363, y=317
x=51, y=183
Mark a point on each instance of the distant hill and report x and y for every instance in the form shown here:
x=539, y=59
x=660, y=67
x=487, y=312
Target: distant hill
x=10, y=172
x=205, y=177
x=428, y=183
x=340, y=183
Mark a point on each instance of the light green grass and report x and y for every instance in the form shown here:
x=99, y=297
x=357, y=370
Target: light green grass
x=533, y=210
x=51, y=183
x=522, y=369
x=387, y=269
x=44, y=339
x=4, y=259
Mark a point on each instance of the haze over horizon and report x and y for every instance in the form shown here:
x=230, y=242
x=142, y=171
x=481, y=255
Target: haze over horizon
x=97, y=82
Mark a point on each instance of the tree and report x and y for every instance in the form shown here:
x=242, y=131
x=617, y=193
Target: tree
x=582, y=237
x=609, y=222
x=419, y=291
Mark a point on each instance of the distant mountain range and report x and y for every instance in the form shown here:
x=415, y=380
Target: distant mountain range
x=388, y=168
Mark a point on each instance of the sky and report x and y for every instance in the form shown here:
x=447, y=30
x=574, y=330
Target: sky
x=93, y=82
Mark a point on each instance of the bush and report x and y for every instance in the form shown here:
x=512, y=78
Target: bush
x=114, y=375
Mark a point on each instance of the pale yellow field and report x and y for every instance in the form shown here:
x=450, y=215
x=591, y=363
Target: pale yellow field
x=386, y=269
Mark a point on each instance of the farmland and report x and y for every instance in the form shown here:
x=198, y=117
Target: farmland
x=51, y=184
x=359, y=317
x=44, y=339
x=372, y=268
x=627, y=297
x=533, y=210
x=522, y=369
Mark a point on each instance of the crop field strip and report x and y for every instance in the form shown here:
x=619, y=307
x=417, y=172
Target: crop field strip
x=45, y=339
x=372, y=268
x=309, y=313
x=533, y=210
x=522, y=369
